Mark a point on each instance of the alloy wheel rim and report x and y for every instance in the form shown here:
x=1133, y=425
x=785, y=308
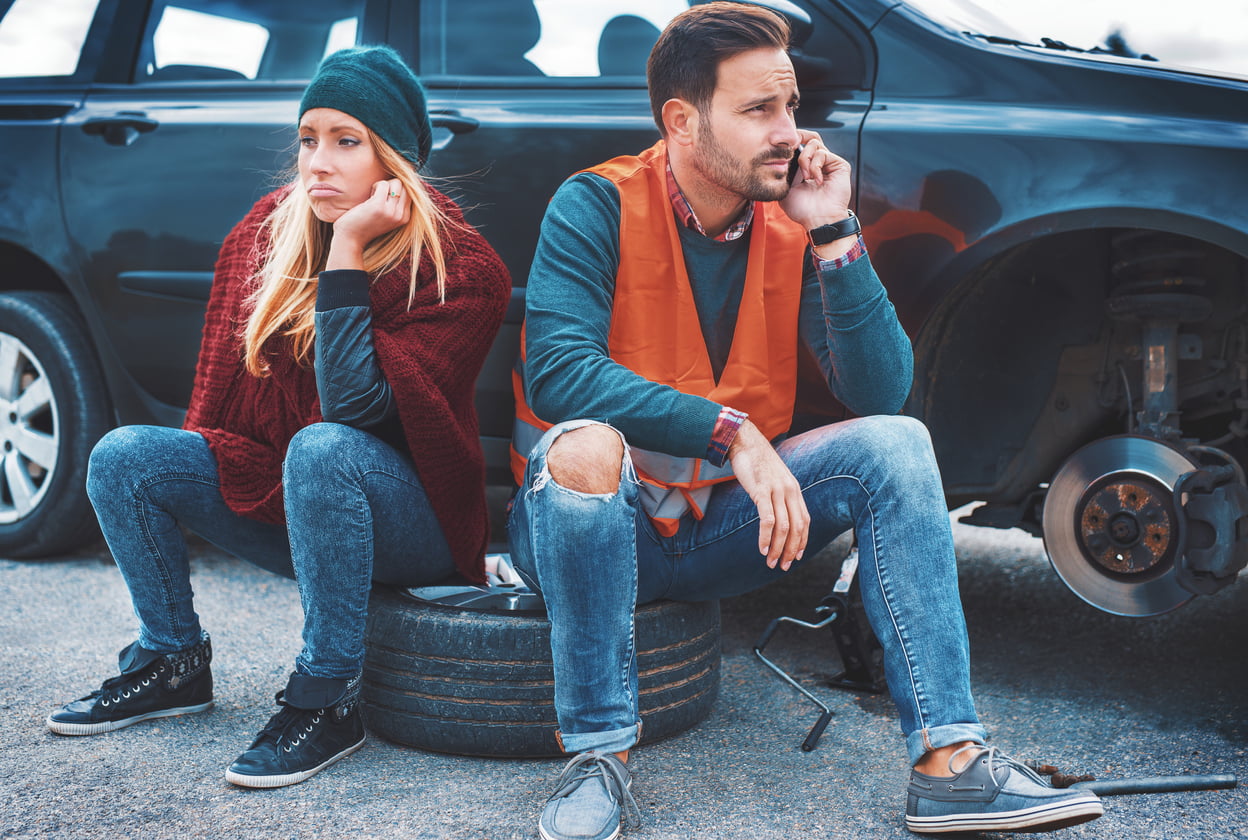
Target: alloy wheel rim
x=29, y=430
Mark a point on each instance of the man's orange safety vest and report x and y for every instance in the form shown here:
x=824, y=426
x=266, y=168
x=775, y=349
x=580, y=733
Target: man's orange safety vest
x=655, y=332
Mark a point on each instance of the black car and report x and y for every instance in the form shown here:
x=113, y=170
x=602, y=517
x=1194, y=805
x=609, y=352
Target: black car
x=1064, y=234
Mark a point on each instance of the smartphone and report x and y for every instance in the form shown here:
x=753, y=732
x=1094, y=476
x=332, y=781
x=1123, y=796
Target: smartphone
x=793, y=165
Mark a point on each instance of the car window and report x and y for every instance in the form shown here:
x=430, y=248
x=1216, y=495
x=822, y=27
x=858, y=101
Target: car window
x=43, y=37
x=836, y=53
x=541, y=38
x=224, y=40
x=572, y=39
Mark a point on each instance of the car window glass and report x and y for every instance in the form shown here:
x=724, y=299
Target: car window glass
x=541, y=38
x=43, y=37
x=572, y=39
x=833, y=55
x=224, y=40
x=342, y=34
x=232, y=45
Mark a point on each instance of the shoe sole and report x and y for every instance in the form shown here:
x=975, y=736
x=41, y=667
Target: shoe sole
x=1039, y=818
x=61, y=727
x=288, y=778
x=542, y=831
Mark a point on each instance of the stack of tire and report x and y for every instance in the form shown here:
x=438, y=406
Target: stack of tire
x=467, y=670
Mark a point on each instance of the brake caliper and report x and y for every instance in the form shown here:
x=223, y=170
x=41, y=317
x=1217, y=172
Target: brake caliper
x=1214, y=531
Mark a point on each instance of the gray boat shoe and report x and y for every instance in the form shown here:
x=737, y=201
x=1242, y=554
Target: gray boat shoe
x=993, y=792
x=588, y=798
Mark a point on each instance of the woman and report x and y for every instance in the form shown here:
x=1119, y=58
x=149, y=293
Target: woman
x=331, y=435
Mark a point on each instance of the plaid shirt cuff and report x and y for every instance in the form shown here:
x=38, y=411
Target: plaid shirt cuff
x=859, y=249
x=726, y=427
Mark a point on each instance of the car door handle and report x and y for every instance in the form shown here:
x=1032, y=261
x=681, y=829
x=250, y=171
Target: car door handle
x=121, y=129
x=453, y=120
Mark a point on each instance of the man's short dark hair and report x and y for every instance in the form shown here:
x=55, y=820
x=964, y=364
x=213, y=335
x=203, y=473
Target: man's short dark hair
x=684, y=63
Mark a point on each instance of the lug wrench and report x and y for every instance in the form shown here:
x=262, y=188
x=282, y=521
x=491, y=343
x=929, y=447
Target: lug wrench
x=1158, y=784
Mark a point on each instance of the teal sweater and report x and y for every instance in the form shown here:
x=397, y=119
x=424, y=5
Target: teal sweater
x=846, y=320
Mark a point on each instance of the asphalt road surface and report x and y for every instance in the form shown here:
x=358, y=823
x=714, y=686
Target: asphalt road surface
x=1055, y=681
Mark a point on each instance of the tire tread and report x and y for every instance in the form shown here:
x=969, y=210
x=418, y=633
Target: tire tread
x=482, y=683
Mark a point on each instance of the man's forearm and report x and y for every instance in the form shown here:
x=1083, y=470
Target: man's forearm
x=585, y=383
x=851, y=327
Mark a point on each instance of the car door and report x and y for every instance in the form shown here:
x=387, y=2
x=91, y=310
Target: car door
x=43, y=73
x=190, y=121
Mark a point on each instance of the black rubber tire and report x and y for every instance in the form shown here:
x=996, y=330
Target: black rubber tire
x=475, y=682
x=50, y=328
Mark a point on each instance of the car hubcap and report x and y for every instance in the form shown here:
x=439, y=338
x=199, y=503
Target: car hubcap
x=29, y=437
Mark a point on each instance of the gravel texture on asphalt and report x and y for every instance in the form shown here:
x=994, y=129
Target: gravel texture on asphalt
x=1055, y=681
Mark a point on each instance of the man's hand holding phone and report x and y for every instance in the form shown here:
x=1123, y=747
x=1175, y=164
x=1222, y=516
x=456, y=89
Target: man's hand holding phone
x=820, y=191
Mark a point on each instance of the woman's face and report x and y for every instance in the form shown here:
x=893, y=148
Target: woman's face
x=337, y=164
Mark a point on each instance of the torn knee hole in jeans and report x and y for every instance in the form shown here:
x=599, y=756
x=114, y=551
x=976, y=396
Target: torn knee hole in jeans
x=628, y=473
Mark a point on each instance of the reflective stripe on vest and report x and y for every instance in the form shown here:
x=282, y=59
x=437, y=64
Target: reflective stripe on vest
x=655, y=332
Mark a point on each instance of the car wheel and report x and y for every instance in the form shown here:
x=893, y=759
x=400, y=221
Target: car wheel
x=452, y=671
x=53, y=408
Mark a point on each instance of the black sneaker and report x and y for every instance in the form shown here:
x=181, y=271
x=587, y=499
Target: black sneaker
x=151, y=685
x=319, y=723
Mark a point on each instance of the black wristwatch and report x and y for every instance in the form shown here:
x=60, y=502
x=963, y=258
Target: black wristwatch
x=837, y=230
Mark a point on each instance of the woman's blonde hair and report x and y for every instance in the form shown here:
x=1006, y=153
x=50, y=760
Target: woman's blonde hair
x=284, y=300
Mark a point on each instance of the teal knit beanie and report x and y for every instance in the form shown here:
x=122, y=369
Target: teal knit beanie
x=373, y=85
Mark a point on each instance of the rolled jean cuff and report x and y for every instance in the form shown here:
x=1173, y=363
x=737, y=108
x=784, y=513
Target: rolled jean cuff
x=922, y=741
x=614, y=741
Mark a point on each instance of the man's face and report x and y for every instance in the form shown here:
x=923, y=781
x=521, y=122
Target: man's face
x=748, y=134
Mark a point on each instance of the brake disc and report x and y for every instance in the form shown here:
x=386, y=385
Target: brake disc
x=1111, y=527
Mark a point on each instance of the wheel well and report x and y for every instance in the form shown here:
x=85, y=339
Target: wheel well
x=1020, y=364
x=24, y=271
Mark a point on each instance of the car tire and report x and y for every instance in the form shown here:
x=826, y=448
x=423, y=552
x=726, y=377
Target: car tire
x=53, y=408
x=480, y=681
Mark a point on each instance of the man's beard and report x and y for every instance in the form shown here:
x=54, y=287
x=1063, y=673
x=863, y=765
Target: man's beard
x=749, y=181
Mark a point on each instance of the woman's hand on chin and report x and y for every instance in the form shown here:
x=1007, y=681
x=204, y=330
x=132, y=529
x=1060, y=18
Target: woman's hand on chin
x=387, y=208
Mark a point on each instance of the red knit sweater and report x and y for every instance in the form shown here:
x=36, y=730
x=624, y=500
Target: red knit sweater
x=430, y=356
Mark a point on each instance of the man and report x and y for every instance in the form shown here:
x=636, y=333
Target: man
x=666, y=303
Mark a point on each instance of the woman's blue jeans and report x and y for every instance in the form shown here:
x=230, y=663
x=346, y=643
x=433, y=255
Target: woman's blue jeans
x=355, y=512
x=596, y=556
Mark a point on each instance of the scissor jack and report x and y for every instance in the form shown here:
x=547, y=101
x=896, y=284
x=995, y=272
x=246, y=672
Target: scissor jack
x=862, y=659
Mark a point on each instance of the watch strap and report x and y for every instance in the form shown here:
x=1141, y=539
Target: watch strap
x=837, y=230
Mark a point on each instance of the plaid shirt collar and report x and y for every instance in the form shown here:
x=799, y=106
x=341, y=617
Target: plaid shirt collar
x=684, y=213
